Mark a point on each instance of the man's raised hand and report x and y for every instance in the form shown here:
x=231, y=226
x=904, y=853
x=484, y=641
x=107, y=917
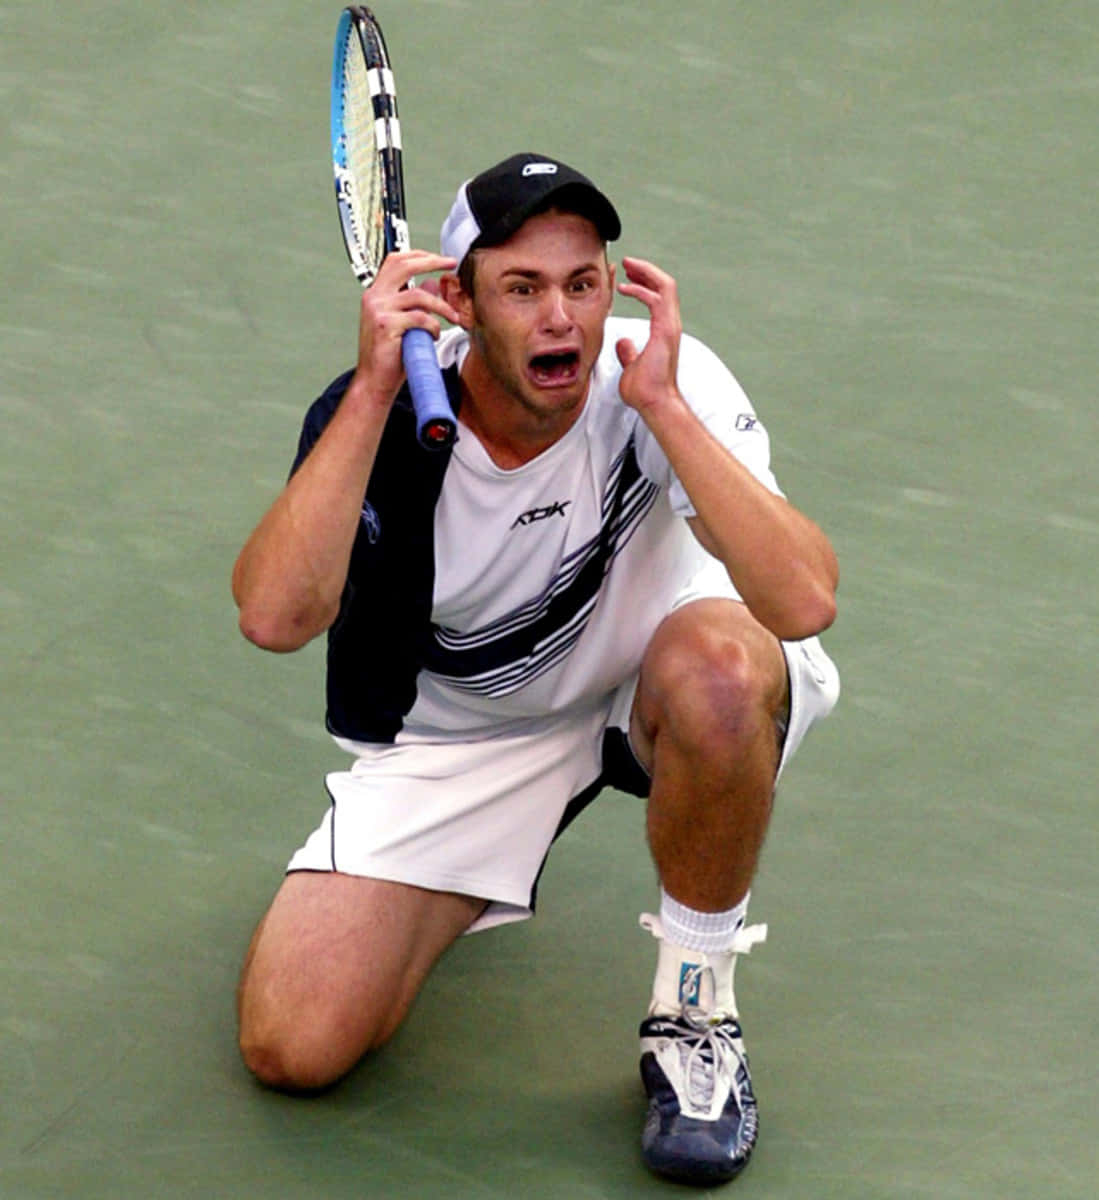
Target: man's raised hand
x=392, y=305
x=649, y=374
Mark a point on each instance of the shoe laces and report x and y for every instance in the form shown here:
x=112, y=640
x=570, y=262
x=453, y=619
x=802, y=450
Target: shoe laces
x=710, y=1052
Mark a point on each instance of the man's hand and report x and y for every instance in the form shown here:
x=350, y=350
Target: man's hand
x=649, y=375
x=389, y=308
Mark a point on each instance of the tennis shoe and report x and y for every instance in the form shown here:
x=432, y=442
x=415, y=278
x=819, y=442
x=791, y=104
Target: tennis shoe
x=702, y=1119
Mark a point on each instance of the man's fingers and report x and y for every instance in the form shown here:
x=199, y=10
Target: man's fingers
x=640, y=270
x=636, y=292
x=648, y=284
x=383, y=308
x=627, y=352
x=396, y=286
x=392, y=323
x=402, y=266
x=423, y=260
x=428, y=299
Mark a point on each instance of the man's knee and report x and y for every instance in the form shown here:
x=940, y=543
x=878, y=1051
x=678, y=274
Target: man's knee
x=296, y=1034
x=284, y=1067
x=708, y=680
x=290, y=1065
x=309, y=1053
x=333, y=969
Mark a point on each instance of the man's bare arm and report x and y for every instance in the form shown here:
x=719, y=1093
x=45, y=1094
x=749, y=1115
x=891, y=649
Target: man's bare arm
x=780, y=561
x=289, y=576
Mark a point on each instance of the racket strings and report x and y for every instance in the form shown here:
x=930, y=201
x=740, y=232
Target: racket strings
x=364, y=164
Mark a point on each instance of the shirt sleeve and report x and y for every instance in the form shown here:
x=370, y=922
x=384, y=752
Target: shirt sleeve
x=720, y=403
x=319, y=414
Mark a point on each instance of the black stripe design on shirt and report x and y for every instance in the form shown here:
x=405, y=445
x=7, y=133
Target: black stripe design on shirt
x=508, y=653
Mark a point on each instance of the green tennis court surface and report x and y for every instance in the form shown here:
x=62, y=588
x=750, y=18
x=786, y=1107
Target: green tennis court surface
x=883, y=217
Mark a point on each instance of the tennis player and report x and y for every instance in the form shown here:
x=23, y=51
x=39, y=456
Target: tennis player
x=600, y=585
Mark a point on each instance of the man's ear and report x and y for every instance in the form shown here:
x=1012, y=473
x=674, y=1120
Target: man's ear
x=451, y=290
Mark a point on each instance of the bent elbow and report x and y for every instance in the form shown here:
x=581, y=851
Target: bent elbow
x=265, y=636
x=824, y=614
x=818, y=613
x=813, y=615
x=278, y=636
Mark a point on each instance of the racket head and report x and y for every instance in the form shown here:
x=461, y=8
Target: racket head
x=366, y=144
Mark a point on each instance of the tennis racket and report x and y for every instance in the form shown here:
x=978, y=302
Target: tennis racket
x=366, y=155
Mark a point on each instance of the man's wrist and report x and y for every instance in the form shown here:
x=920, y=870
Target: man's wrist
x=364, y=395
x=665, y=406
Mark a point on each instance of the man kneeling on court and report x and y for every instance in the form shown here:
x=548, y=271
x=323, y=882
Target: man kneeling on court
x=600, y=585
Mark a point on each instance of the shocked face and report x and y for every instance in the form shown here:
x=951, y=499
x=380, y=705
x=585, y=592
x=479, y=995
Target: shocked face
x=536, y=317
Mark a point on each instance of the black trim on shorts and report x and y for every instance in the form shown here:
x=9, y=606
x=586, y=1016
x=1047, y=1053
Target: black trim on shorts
x=332, y=824
x=621, y=771
x=621, y=767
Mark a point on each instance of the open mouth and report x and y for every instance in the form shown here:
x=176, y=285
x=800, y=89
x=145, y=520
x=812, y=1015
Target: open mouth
x=554, y=370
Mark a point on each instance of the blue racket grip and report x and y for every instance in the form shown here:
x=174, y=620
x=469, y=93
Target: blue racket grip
x=435, y=424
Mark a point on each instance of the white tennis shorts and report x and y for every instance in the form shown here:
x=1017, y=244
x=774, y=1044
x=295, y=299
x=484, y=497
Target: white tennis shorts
x=479, y=817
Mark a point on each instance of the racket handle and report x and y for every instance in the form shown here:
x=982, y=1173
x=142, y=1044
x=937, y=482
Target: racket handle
x=435, y=424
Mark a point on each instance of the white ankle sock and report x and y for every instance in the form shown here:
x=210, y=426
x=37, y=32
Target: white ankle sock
x=712, y=933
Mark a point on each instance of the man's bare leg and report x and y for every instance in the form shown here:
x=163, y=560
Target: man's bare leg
x=713, y=687
x=333, y=969
x=712, y=697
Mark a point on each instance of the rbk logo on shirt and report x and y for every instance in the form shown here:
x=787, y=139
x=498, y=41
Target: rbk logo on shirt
x=556, y=509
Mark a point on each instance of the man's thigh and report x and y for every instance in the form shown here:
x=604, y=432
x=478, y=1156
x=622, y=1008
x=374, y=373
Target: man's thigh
x=333, y=969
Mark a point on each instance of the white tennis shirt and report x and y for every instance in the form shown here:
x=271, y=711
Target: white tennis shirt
x=550, y=578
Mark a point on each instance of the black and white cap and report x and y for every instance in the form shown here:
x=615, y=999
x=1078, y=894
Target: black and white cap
x=492, y=206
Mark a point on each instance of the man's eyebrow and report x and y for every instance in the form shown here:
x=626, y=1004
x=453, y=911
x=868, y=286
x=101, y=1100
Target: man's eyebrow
x=535, y=273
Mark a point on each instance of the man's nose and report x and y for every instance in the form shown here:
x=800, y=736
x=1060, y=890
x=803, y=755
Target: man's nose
x=556, y=314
